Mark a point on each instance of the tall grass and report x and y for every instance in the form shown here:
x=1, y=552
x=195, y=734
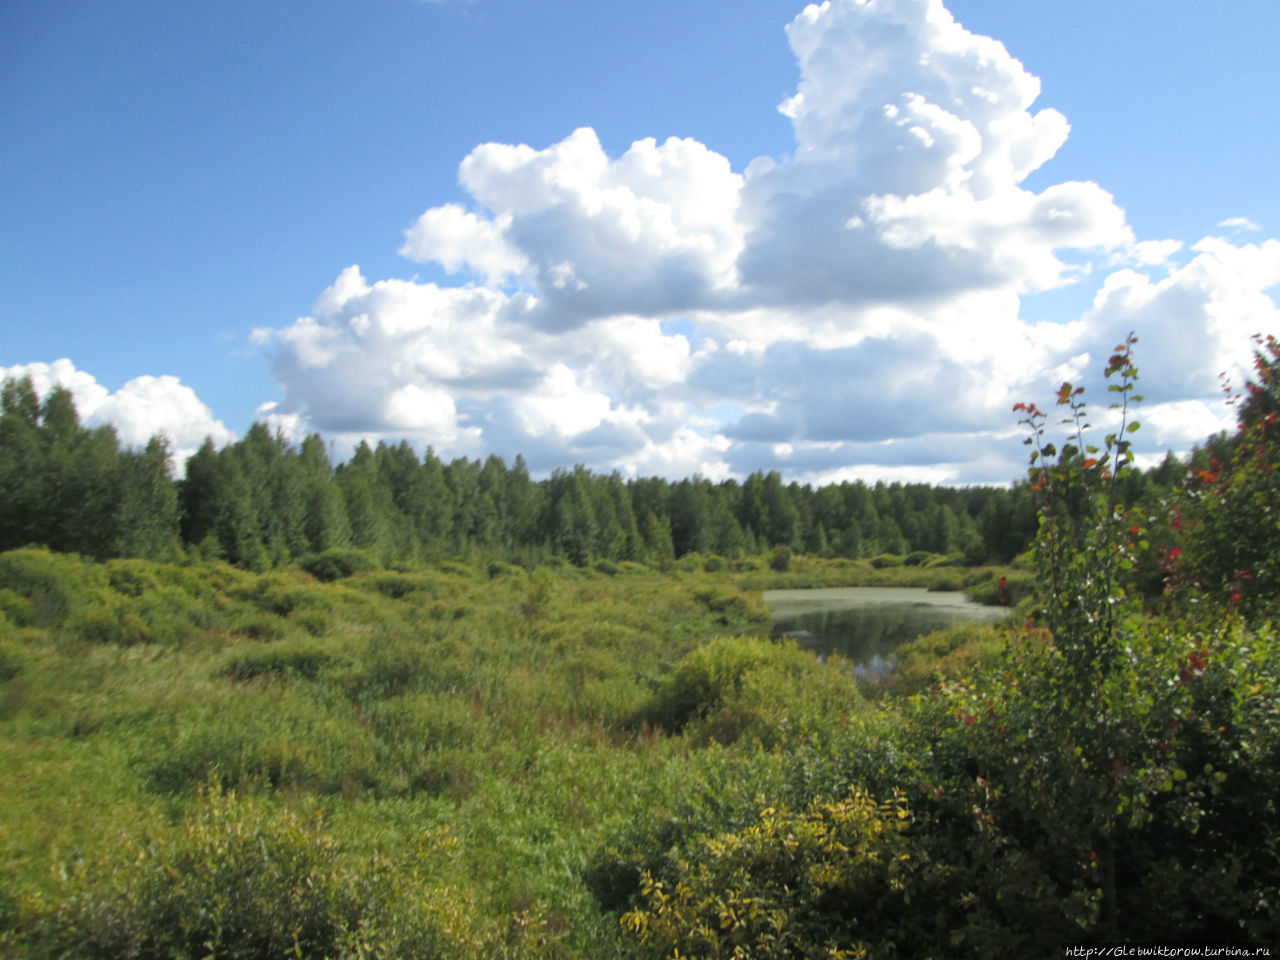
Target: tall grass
x=438, y=755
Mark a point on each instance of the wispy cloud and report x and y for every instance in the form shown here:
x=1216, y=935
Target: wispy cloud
x=1239, y=223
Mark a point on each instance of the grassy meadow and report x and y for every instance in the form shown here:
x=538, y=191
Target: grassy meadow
x=462, y=744
x=475, y=760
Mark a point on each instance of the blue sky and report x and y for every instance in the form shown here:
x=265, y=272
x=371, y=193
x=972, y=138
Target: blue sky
x=206, y=205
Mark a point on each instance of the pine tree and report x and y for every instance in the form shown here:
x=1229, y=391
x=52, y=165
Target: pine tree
x=146, y=521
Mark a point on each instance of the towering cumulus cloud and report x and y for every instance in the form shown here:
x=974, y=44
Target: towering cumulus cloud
x=852, y=308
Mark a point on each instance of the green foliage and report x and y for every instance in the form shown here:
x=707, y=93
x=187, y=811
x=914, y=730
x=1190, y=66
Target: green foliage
x=242, y=880
x=1008, y=589
x=46, y=588
x=117, y=626
x=753, y=689
x=1101, y=775
x=73, y=489
x=497, y=568
x=813, y=884
x=259, y=626
x=261, y=504
x=1086, y=547
x=504, y=708
x=337, y=563
x=1111, y=766
x=952, y=653
x=731, y=606
x=1228, y=517
x=397, y=586
x=13, y=661
x=132, y=578
x=279, y=663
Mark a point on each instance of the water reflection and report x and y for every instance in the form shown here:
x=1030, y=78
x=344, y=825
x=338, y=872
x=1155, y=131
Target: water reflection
x=866, y=624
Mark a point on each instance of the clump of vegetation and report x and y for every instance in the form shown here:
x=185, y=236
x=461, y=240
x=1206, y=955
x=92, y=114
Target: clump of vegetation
x=944, y=655
x=774, y=890
x=751, y=688
x=241, y=879
x=337, y=563
x=1005, y=589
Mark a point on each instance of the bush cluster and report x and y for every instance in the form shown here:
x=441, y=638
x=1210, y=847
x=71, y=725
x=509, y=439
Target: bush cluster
x=1108, y=774
x=241, y=880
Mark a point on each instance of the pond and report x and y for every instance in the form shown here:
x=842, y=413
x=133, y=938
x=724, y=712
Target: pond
x=866, y=624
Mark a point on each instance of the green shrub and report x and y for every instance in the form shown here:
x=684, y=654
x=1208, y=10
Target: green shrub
x=129, y=577
x=823, y=883
x=750, y=687
x=1119, y=769
x=498, y=568
x=243, y=880
x=689, y=563
x=284, y=597
x=1005, y=591
x=315, y=622
x=1228, y=515
x=106, y=625
x=397, y=586
x=951, y=653
x=465, y=571
x=253, y=736
x=337, y=563
x=173, y=615
x=734, y=607
x=13, y=660
x=266, y=627
x=278, y=664
x=780, y=559
x=16, y=608
x=394, y=667
x=608, y=568
x=54, y=586
x=886, y=560
x=539, y=593
x=1102, y=775
x=714, y=564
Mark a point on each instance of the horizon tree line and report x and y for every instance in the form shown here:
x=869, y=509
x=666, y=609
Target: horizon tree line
x=263, y=502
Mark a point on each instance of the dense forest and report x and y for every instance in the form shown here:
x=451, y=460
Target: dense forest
x=404, y=745
x=262, y=503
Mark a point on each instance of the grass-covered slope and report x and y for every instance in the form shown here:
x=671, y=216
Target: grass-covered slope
x=416, y=759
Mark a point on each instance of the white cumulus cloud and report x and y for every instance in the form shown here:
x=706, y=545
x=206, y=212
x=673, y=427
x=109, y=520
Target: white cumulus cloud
x=852, y=308
x=144, y=407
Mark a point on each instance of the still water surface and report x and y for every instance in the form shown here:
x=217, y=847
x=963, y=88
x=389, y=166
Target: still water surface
x=866, y=624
